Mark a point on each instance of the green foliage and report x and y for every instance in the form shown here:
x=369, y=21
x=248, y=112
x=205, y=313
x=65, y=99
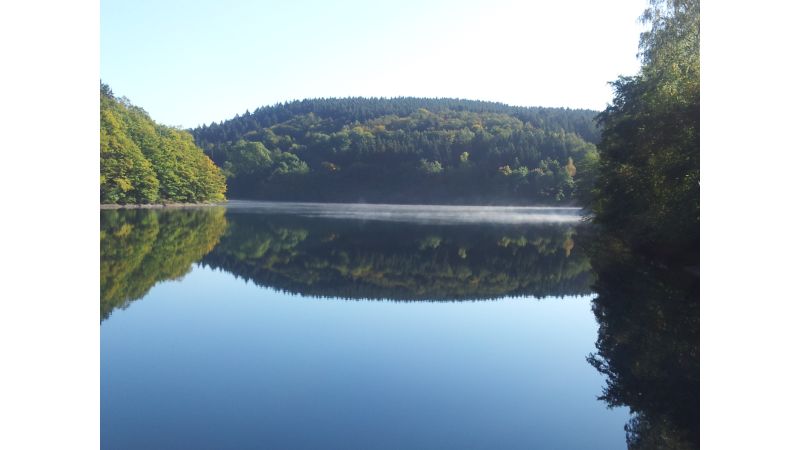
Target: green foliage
x=248, y=158
x=647, y=187
x=430, y=167
x=139, y=248
x=388, y=150
x=646, y=253
x=315, y=257
x=144, y=162
x=289, y=164
x=126, y=176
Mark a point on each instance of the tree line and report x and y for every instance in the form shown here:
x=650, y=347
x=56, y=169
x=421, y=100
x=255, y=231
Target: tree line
x=645, y=248
x=647, y=192
x=145, y=162
x=405, y=150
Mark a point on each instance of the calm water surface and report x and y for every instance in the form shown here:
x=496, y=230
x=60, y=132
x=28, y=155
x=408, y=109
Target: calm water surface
x=350, y=327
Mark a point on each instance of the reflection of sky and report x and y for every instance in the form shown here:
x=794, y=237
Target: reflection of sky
x=213, y=362
x=438, y=214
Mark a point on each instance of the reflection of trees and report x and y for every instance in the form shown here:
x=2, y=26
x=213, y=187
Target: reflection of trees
x=649, y=346
x=401, y=261
x=139, y=248
x=331, y=258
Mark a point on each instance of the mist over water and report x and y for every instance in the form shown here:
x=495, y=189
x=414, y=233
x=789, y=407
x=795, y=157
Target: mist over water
x=426, y=214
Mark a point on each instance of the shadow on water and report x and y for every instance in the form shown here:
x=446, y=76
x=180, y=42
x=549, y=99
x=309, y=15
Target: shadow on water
x=648, y=345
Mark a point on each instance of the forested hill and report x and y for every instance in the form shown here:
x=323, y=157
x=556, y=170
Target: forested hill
x=405, y=150
x=144, y=162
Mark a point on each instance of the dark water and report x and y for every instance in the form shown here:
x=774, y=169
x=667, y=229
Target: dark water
x=374, y=327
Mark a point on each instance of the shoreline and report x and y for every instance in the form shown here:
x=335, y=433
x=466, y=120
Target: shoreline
x=256, y=203
x=159, y=205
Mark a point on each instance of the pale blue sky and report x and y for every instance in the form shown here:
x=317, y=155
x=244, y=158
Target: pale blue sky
x=194, y=62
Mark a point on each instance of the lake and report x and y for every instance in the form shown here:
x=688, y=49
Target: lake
x=313, y=326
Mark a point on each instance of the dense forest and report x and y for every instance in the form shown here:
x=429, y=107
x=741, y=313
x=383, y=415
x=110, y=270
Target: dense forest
x=647, y=193
x=405, y=150
x=144, y=162
x=645, y=246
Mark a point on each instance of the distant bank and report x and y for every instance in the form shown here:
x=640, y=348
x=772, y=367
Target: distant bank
x=159, y=205
x=356, y=207
x=354, y=150
x=405, y=150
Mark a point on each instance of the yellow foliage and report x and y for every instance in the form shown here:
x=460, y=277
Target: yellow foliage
x=569, y=244
x=124, y=184
x=571, y=169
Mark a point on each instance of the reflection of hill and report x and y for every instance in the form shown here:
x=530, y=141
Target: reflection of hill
x=373, y=260
x=139, y=248
x=649, y=347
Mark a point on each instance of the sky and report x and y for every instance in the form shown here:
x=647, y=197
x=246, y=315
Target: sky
x=194, y=62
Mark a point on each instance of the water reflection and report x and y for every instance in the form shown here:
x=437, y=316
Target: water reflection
x=376, y=260
x=647, y=311
x=648, y=345
x=354, y=259
x=139, y=248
